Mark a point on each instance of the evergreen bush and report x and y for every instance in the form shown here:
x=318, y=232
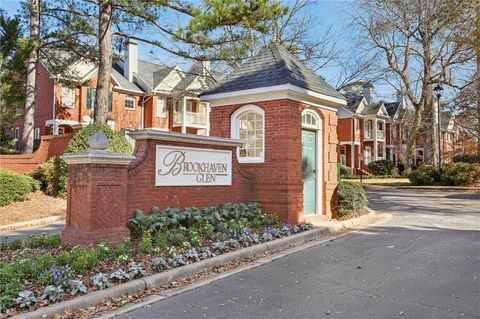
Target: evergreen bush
x=381, y=167
x=351, y=200
x=53, y=173
x=15, y=187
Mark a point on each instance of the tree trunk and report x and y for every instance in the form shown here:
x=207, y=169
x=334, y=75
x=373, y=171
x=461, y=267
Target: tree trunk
x=429, y=118
x=31, y=85
x=477, y=47
x=412, y=137
x=104, y=62
x=478, y=98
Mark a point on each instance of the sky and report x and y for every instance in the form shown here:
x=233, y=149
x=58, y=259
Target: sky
x=325, y=14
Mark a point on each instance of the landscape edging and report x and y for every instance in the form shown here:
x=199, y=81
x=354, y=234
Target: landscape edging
x=163, y=278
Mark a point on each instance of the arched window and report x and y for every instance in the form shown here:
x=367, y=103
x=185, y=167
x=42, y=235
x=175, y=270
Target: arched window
x=248, y=125
x=310, y=119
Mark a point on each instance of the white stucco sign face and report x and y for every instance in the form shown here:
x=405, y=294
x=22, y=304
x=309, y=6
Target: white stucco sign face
x=184, y=166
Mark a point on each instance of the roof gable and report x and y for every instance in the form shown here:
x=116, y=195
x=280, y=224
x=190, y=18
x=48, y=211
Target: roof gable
x=273, y=65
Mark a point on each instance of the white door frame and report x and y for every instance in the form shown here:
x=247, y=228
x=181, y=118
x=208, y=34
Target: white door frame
x=307, y=124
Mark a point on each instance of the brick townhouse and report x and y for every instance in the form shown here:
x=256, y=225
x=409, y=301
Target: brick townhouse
x=142, y=95
x=370, y=130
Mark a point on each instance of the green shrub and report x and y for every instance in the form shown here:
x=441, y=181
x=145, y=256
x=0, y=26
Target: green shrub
x=117, y=142
x=15, y=187
x=466, y=158
x=381, y=167
x=345, y=170
x=351, y=200
x=52, y=176
x=461, y=174
x=53, y=173
x=424, y=175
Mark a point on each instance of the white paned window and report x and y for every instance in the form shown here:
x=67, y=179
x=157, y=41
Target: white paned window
x=309, y=119
x=130, y=102
x=248, y=125
x=36, y=133
x=17, y=133
x=68, y=97
x=161, y=106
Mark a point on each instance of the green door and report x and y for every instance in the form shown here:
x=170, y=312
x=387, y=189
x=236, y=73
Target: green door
x=309, y=170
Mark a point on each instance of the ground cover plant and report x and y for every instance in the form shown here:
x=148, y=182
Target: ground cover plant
x=39, y=271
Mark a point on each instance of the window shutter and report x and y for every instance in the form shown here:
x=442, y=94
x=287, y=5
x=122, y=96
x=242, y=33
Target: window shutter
x=89, y=98
x=110, y=98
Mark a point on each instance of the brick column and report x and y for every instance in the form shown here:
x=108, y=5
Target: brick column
x=97, y=195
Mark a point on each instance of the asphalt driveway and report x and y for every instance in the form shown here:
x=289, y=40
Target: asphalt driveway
x=424, y=263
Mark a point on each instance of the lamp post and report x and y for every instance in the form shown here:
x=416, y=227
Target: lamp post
x=438, y=93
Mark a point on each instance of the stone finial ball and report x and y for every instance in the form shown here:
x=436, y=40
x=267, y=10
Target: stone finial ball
x=98, y=141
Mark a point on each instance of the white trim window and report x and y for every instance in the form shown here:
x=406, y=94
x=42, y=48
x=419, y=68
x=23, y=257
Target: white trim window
x=36, y=133
x=17, y=133
x=309, y=119
x=161, y=107
x=68, y=97
x=248, y=125
x=130, y=102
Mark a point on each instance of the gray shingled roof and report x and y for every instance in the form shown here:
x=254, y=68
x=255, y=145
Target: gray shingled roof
x=152, y=73
x=196, y=71
x=353, y=101
x=117, y=72
x=273, y=65
x=372, y=108
x=392, y=108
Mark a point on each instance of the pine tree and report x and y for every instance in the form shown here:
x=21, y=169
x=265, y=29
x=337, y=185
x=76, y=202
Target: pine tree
x=13, y=53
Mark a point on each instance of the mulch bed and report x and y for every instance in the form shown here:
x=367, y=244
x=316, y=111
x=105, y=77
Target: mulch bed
x=38, y=206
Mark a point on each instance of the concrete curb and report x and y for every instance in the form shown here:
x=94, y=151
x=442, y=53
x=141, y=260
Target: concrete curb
x=31, y=223
x=442, y=188
x=163, y=278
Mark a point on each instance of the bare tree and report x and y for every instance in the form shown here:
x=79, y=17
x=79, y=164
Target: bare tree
x=31, y=85
x=417, y=42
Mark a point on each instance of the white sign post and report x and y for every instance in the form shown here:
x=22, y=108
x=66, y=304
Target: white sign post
x=184, y=166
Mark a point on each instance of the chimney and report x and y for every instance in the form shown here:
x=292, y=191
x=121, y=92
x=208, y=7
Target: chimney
x=206, y=68
x=131, y=59
x=368, y=92
x=400, y=98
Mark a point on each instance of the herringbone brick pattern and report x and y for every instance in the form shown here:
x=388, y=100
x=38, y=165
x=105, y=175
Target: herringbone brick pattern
x=108, y=207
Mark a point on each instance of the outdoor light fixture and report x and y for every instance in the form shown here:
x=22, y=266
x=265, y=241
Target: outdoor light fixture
x=438, y=89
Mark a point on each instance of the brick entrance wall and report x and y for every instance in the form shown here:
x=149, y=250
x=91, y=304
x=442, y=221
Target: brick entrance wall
x=50, y=146
x=143, y=194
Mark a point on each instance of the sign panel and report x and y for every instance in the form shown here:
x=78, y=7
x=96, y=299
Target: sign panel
x=184, y=166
